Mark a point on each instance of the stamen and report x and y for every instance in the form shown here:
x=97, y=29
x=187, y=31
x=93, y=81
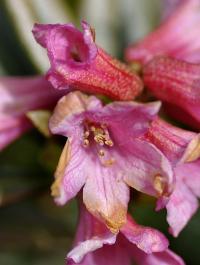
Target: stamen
x=98, y=134
x=86, y=134
x=159, y=184
x=109, y=162
x=86, y=142
x=92, y=128
x=99, y=139
x=109, y=143
x=101, y=152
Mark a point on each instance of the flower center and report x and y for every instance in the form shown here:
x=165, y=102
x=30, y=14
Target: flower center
x=98, y=135
x=75, y=54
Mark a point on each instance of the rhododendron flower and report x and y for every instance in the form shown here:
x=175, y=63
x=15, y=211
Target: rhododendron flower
x=96, y=245
x=103, y=154
x=178, y=36
x=182, y=148
x=178, y=84
x=78, y=63
x=18, y=96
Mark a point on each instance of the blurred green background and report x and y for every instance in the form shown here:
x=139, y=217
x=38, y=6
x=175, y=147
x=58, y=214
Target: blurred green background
x=33, y=230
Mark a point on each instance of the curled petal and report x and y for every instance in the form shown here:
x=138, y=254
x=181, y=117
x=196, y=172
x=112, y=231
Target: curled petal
x=147, y=239
x=78, y=63
x=89, y=245
x=41, y=33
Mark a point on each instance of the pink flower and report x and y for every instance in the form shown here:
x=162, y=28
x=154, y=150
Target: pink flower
x=78, y=63
x=18, y=95
x=178, y=36
x=182, y=148
x=96, y=245
x=11, y=128
x=103, y=154
x=177, y=83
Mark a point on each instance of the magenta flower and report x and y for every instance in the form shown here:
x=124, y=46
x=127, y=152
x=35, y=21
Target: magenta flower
x=178, y=37
x=18, y=96
x=78, y=63
x=95, y=244
x=182, y=148
x=103, y=154
x=177, y=83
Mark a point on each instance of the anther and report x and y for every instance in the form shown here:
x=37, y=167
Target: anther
x=101, y=152
x=92, y=128
x=86, y=142
x=86, y=134
x=109, y=142
x=159, y=184
x=109, y=162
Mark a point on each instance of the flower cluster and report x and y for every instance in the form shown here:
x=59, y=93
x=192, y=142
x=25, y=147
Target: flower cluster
x=112, y=148
x=124, y=145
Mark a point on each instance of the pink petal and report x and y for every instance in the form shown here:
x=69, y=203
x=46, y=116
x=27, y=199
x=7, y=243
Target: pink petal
x=166, y=257
x=181, y=206
x=65, y=115
x=191, y=177
x=78, y=63
x=41, y=33
x=67, y=182
x=106, y=196
x=147, y=169
x=11, y=128
x=175, y=82
x=116, y=254
x=95, y=245
x=22, y=94
x=170, y=37
x=129, y=119
x=18, y=96
x=147, y=239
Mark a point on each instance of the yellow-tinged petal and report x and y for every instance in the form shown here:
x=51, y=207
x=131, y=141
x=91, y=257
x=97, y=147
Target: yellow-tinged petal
x=192, y=152
x=63, y=161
